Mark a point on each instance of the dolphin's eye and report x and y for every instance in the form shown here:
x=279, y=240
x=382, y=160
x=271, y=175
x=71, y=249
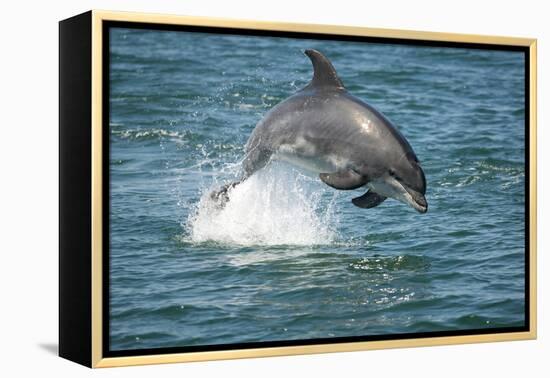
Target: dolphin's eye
x=392, y=172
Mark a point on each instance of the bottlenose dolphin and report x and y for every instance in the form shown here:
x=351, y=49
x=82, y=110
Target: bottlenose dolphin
x=326, y=130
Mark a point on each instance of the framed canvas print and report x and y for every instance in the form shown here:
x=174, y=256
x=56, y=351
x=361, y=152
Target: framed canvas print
x=234, y=189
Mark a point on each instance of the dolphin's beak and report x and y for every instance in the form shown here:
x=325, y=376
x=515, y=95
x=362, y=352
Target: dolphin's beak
x=397, y=189
x=417, y=200
x=422, y=204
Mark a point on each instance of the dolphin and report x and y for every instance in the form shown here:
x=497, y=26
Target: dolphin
x=347, y=142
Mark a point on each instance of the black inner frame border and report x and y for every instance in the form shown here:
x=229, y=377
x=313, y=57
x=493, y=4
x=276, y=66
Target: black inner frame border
x=107, y=25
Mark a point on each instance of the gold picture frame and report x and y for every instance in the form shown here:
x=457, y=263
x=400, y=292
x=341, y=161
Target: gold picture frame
x=81, y=336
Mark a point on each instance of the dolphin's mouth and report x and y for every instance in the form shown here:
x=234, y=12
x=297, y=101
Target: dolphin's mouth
x=420, y=204
x=414, y=198
x=417, y=201
x=396, y=189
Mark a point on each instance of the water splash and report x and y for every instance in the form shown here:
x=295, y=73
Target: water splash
x=276, y=206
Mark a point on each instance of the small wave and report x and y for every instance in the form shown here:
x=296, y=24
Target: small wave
x=380, y=264
x=506, y=173
x=120, y=161
x=139, y=134
x=475, y=321
x=276, y=206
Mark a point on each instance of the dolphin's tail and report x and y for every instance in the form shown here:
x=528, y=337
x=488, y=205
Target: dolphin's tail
x=254, y=160
x=221, y=196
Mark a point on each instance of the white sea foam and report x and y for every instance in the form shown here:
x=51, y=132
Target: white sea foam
x=276, y=206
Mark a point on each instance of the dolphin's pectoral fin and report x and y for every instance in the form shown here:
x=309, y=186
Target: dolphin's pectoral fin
x=368, y=200
x=344, y=180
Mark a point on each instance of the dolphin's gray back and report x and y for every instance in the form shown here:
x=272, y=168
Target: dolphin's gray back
x=325, y=122
x=325, y=127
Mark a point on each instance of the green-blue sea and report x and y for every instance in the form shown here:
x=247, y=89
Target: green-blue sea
x=289, y=258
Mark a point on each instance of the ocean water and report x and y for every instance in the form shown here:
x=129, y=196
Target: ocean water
x=289, y=258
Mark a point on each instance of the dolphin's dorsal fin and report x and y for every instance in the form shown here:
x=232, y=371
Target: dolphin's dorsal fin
x=324, y=74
